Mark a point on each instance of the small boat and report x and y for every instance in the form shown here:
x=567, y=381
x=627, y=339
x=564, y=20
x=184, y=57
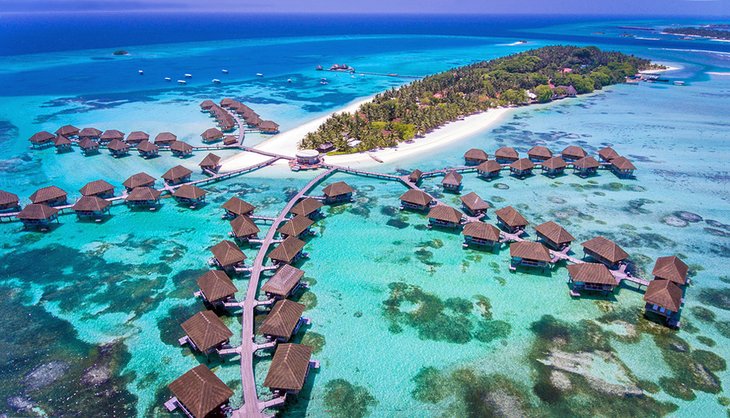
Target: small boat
x=288, y=80
x=182, y=82
x=678, y=83
x=216, y=81
x=168, y=79
x=141, y=72
x=188, y=76
x=259, y=74
x=323, y=81
x=224, y=71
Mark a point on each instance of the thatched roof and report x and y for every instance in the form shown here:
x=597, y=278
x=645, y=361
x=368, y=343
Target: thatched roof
x=476, y=154
x=88, y=144
x=554, y=232
x=296, y=225
x=593, y=273
x=147, y=146
x=306, y=207
x=143, y=194
x=472, y=201
x=607, y=153
x=243, y=226
x=118, y=145
x=227, y=102
x=200, y=391
x=67, y=130
x=445, y=213
x=112, y=134
x=211, y=134
x=37, y=212
x=7, y=198
x=88, y=133
x=554, y=163
x=227, y=253
x=509, y=216
x=180, y=146
x=452, y=178
x=671, y=268
x=481, y=230
x=416, y=197
x=238, y=206
x=189, y=191
x=287, y=250
x=96, y=187
x=606, y=249
x=530, y=250
x=490, y=166
x=46, y=194
x=61, y=140
x=210, y=161
x=282, y=319
x=207, y=104
x=586, y=163
x=522, y=164
x=268, y=125
x=415, y=175
x=176, y=173
x=230, y=140
x=337, y=189
x=623, y=163
x=289, y=367
x=165, y=138
x=540, y=152
x=42, y=137
x=284, y=281
x=91, y=204
x=137, y=137
x=665, y=294
x=216, y=285
x=206, y=330
x=507, y=153
x=139, y=179
x=573, y=151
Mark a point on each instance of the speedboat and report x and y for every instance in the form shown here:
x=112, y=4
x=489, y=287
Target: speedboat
x=216, y=81
x=288, y=80
x=141, y=72
x=224, y=71
x=188, y=76
x=182, y=82
x=168, y=79
x=259, y=74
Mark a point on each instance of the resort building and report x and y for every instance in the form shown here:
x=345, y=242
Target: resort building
x=288, y=251
x=298, y=226
x=51, y=196
x=289, y=369
x=200, y=394
x=607, y=154
x=216, y=288
x=228, y=102
x=230, y=140
x=586, y=166
x=326, y=147
x=529, y=254
x=553, y=236
x=205, y=105
x=671, y=268
x=62, y=144
x=189, y=194
x=177, y=175
x=664, y=299
x=510, y=220
x=98, y=188
x=143, y=197
x=489, y=169
x=592, y=277
x=283, y=320
x=89, y=147
x=538, y=154
x=110, y=135
x=506, y=155
x=118, y=148
x=205, y=332
x=91, y=207
x=37, y=215
x=474, y=205
x=89, y=133
x=243, y=229
x=452, y=181
x=139, y=180
x=553, y=167
x=308, y=207
x=622, y=167
x=573, y=153
x=337, y=192
x=236, y=207
x=269, y=127
x=136, y=137
x=283, y=283
x=41, y=139
x=605, y=251
x=227, y=255
x=211, y=135
x=443, y=216
x=521, y=168
x=181, y=149
x=148, y=150
x=165, y=139
x=8, y=201
x=308, y=158
x=475, y=156
x=481, y=234
x=415, y=176
x=67, y=131
x=415, y=200
x=210, y=164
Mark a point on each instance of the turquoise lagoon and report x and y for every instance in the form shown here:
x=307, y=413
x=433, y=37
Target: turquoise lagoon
x=404, y=321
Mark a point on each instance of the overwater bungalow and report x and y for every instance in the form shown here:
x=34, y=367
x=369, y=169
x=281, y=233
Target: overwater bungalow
x=143, y=197
x=269, y=127
x=8, y=201
x=337, y=192
x=205, y=105
x=573, y=153
x=554, y=166
x=289, y=369
x=110, y=135
x=607, y=154
x=205, y=332
x=51, y=196
x=199, y=393
x=91, y=207
x=181, y=149
x=189, y=194
x=452, y=182
x=521, y=168
x=664, y=299
x=308, y=207
x=415, y=176
x=62, y=144
x=41, y=139
x=216, y=288
x=165, y=139
x=475, y=156
x=444, y=216
x=506, y=155
x=38, y=216
x=538, y=154
x=283, y=283
x=474, y=205
x=283, y=321
x=529, y=254
x=592, y=277
x=481, y=234
x=139, y=180
x=253, y=121
x=89, y=133
x=210, y=164
x=586, y=166
x=211, y=135
x=230, y=140
x=228, y=102
x=237, y=207
x=622, y=167
x=227, y=256
x=554, y=236
x=288, y=251
x=489, y=169
x=605, y=251
x=148, y=150
x=415, y=200
x=671, y=268
x=67, y=131
x=510, y=220
x=177, y=175
x=98, y=188
x=298, y=226
x=118, y=148
x=243, y=229
x=89, y=147
x=136, y=137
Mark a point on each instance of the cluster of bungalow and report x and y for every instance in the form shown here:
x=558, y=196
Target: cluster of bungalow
x=252, y=119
